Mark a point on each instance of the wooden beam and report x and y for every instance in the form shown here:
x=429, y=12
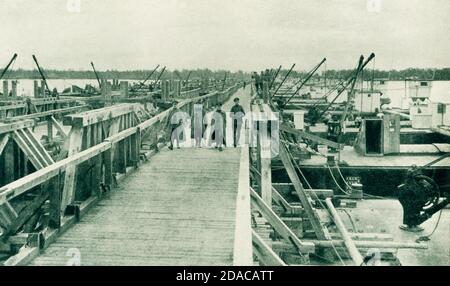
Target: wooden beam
x=45, y=113
x=310, y=212
x=98, y=115
x=23, y=184
x=25, y=214
x=279, y=226
x=75, y=143
x=276, y=196
x=265, y=254
x=3, y=141
x=59, y=127
x=349, y=243
x=363, y=244
x=10, y=127
x=306, y=135
x=242, y=251
x=266, y=169
x=32, y=155
x=26, y=255
x=441, y=131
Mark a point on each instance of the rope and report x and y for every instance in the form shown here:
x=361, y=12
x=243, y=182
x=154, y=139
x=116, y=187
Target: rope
x=334, y=179
x=351, y=220
x=427, y=237
x=350, y=187
x=342, y=177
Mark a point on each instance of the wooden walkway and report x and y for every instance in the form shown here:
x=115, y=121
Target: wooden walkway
x=179, y=208
x=171, y=211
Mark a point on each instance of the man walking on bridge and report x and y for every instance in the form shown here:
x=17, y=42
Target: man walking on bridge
x=237, y=113
x=219, y=119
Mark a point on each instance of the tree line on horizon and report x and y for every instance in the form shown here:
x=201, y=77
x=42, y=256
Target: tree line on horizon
x=418, y=73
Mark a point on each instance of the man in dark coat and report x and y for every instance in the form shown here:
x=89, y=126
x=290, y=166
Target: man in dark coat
x=237, y=113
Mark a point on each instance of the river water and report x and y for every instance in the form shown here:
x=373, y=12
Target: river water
x=397, y=91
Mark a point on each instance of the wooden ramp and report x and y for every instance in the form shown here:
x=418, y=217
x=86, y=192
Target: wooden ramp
x=177, y=209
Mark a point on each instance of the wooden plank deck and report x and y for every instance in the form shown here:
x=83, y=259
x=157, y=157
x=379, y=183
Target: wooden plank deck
x=177, y=209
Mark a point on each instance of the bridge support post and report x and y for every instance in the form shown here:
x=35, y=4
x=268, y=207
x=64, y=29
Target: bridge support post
x=42, y=88
x=55, y=201
x=266, y=92
x=177, y=89
x=135, y=148
x=165, y=90
x=75, y=144
x=50, y=128
x=5, y=88
x=108, y=163
x=36, y=89
x=265, y=163
x=14, y=88
x=124, y=88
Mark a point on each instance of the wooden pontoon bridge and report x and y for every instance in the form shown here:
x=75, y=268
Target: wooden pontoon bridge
x=119, y=197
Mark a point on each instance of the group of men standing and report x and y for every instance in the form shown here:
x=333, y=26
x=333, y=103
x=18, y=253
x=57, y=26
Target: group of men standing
x=260, y=79
x=217, y=118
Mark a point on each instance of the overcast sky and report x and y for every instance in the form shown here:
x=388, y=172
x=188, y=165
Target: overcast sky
x=224, y=34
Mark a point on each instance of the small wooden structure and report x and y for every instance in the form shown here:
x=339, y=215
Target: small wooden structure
x=379, y=136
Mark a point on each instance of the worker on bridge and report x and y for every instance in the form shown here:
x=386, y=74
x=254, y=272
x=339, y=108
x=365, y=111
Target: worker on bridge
x=237, y=113
x=175, y=121
x=218, y=120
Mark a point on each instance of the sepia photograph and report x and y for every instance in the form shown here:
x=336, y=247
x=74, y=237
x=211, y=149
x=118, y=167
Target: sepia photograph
x=225, y=133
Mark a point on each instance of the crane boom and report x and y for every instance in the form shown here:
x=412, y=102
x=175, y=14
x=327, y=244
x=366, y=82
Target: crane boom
x=96, y=75
x=352, y=78
x=275, y=76
x=41, y=73
x=187, y=78
x=284, y=79
x=311, y=73
x=153, y=71
x=160, y=75
x=8, y=65
x=351, y=93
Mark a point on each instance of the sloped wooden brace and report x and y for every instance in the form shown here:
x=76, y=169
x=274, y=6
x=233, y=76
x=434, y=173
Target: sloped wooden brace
x=265, y=254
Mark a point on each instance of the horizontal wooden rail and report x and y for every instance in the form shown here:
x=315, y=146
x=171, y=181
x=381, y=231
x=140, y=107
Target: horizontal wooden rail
x=45, y=113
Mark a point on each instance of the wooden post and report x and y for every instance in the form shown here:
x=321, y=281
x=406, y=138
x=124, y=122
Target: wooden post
x=164, y=90
x=103, y=87
x=8, y=163
x=349, y=243
x=36, y=89
x=5, y=88
x=177, y=89
x=75, y=142
x=55, y=201
x=266, y=92
x=14, y=88
x=43, y=94
x=108, y=173
x=312, y=215
x=124, y=88
x=265, y=164
x=135, y=147
x=50, y=128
